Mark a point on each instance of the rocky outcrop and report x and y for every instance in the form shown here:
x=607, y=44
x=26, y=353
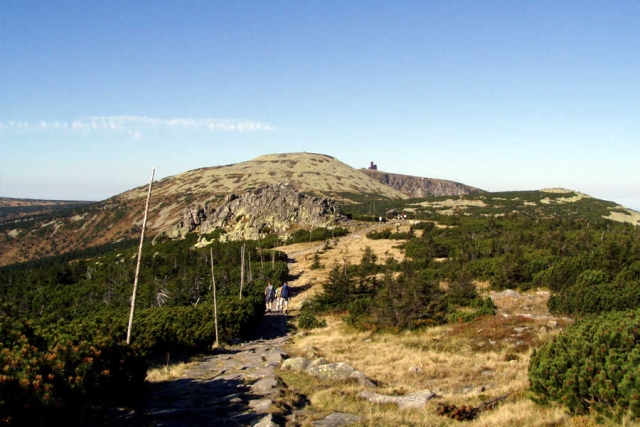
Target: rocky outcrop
x=321, y=368
x=338, y=419
x=414, y=186
x=413, y=400
x=269, y=209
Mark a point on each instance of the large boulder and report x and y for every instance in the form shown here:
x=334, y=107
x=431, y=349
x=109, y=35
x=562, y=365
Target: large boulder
x=296, y=364
x=413, y=400
x=322, y=369
x=331, y=371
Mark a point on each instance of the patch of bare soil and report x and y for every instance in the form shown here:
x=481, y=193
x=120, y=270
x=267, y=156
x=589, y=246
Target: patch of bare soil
x=532, y=304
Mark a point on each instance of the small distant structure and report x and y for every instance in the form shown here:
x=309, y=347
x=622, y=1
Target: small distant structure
x=373, y=167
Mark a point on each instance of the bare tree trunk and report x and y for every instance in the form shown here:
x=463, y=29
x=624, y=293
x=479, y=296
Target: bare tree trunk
x=135, y=280
x=215, y=302
x=241, y=269
x=261, y=260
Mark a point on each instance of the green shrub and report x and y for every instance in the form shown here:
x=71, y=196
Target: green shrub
x=377, y=235
x=316, y=265
x=562, y=273
x=191, y=329
x=56, y=376
x=630, y=273
x=359, y=312
x=408, y=301
x=480, y=307
x=337, y=291
x=424, y=225
x=462, y=292
x=307, y=320
x=593, y=365
x=317, y=234
x=388, y=234
x=593, y=293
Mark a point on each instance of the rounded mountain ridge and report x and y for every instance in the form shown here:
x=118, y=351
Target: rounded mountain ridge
x=311, y=173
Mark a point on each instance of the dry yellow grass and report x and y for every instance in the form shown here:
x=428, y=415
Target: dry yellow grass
x=630, y=216
x=347, y=249
x=309, y=172
x=456, y=372
x=168, y=372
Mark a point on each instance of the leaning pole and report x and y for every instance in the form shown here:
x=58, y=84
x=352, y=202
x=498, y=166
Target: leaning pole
x=135, y=280
x=215, y=302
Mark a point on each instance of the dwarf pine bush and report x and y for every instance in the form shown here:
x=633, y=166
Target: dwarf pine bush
x=52, y=376
x=308, y=321
x=593, y=365
x=594, y=293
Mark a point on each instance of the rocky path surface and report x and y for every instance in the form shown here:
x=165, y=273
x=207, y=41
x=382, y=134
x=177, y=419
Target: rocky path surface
x=235, y=386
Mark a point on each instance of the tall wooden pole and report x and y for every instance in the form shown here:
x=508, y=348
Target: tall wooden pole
x=135, y=280
x=215, y=303
x=241, y=269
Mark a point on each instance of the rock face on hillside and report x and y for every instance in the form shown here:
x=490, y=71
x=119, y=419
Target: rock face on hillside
x=268, y=209
x=421, y=187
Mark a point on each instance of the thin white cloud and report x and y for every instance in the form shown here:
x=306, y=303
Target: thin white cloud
x=135, y=134
x=136, y=125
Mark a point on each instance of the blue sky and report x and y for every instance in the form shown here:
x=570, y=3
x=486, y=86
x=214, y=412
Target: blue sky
x=499, y=95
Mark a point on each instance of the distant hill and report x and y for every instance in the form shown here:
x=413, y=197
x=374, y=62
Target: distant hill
x=272, y=193
x=11, y=208
x=314, y=174
x=414, y=186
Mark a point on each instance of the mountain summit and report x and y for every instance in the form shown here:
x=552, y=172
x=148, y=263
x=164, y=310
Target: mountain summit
x=309, y=173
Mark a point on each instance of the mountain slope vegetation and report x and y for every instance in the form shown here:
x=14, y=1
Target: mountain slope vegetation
x=174, y=199
x=433, y=291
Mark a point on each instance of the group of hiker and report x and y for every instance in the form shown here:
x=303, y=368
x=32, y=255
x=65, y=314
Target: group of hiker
x=277, y=299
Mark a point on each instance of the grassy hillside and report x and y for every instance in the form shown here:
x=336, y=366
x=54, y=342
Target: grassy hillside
x=11, y=209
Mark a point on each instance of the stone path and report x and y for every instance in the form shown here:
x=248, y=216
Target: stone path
x=234, y=387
